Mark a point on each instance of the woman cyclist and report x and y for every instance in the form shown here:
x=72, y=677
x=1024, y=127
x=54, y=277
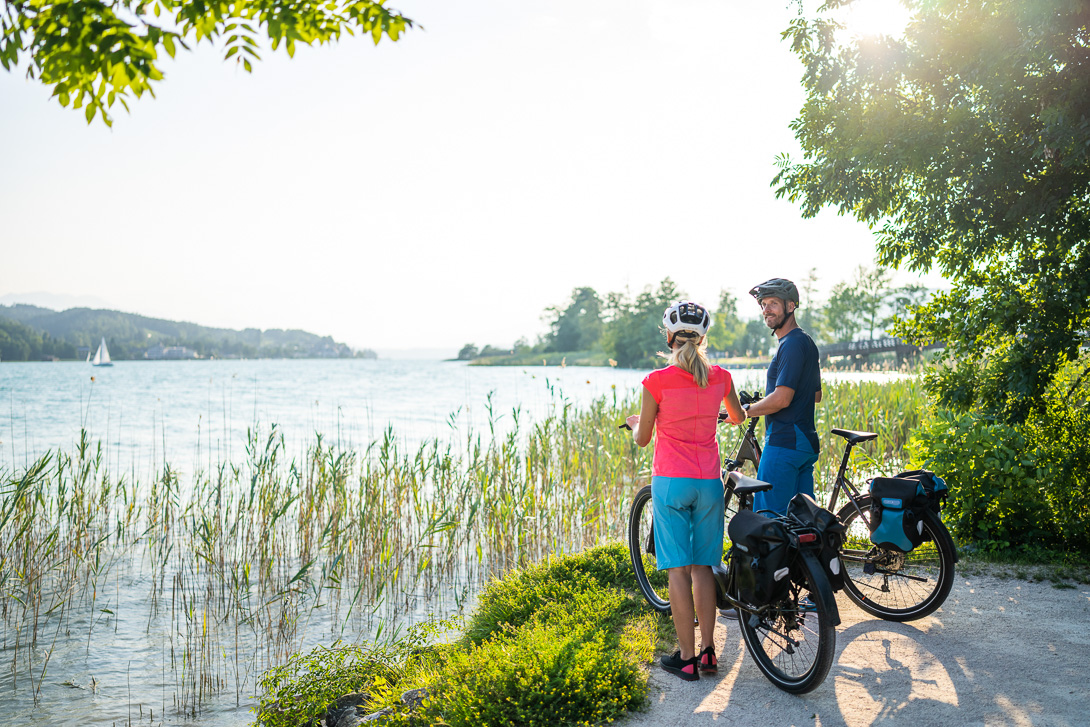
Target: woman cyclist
x=681, y=402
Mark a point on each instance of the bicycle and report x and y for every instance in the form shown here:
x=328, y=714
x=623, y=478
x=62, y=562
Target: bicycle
x=884, y=582
x=791, y=641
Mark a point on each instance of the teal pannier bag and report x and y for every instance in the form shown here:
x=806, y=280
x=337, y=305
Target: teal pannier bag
x=933, y=485
x=897, y=509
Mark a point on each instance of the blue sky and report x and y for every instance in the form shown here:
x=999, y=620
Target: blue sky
x=436, y=191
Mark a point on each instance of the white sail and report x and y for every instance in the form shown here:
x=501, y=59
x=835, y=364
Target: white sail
x=102, y=355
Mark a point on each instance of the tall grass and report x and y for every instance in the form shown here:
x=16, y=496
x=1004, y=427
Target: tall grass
x=245, y=564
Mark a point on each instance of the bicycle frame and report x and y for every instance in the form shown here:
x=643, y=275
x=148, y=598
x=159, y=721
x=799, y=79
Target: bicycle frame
x=750, y=451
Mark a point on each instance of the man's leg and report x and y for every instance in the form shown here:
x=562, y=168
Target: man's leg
x=778, y=466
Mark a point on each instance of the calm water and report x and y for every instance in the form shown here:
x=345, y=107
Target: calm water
x=193, y=415
x=146, y=412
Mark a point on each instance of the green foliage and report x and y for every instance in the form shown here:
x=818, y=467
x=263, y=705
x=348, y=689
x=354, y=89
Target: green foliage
x=94, y=54
x=129, y=336
x=554, y=644
x=308, y=684
x=995, y=499
x=966, y=142
x=633, y=334
x=1016, y=485
x=577, y=327
x=23, y=343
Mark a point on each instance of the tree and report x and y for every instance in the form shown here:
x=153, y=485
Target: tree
x=633, y=332
x=579, y=326
x=468, y=352
x=966, y=143
x=843, y=313
x=809, y=314
x=727, y=327
x=872, y=286
x=757, y=339
x=94, y=54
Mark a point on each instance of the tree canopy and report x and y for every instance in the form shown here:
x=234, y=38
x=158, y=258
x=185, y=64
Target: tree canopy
x=966, y=144
x=97, y=53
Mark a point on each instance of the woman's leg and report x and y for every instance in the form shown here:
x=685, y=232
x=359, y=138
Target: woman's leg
x=704, y=602
x=681, y=605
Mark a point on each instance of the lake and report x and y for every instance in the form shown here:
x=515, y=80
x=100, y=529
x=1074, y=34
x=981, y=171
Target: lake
x=120, y=648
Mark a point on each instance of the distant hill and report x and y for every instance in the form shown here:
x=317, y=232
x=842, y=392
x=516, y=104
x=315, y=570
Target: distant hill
x=29, y=332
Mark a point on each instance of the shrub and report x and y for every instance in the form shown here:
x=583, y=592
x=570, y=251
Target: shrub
x=1023, y=486
x=554, y=644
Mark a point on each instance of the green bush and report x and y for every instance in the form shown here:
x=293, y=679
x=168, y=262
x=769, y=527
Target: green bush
x=558, y=643
x=995, y=496
x=1022, y=486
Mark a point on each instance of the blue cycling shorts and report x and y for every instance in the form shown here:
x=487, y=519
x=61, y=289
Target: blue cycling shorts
x=688, y=516
x=790, y=471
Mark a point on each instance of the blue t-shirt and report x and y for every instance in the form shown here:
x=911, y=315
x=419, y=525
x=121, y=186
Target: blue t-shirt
x=795, y=365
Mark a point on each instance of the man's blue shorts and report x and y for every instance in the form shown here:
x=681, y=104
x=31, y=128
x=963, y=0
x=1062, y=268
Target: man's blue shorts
x=790, y=471
x=688, y=516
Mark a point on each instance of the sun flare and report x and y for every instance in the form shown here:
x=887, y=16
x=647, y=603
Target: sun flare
x=874, y=17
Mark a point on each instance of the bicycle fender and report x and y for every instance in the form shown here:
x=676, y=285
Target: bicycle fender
x=821, y=585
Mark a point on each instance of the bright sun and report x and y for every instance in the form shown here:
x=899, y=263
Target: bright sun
x=874, y=17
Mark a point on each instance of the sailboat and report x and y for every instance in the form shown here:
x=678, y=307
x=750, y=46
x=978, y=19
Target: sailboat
x=102, y=355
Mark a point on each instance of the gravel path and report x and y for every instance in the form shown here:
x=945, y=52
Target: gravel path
x=1000, y=652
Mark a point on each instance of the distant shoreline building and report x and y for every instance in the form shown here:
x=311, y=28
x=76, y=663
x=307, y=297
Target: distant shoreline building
x=160, y=352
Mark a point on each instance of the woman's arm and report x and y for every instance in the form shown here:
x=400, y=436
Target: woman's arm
x=643, y=424
x=735, y=413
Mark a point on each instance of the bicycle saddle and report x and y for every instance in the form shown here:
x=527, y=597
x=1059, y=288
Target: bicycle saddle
x=745, y=485
x=855, y=437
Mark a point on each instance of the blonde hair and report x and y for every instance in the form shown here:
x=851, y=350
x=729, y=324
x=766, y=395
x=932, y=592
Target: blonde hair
x=690, y=354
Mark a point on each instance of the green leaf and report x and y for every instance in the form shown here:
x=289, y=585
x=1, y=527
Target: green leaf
x=90, y=112
x=168, y=43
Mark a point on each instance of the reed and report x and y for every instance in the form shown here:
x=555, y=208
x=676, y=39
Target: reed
x=245, y=563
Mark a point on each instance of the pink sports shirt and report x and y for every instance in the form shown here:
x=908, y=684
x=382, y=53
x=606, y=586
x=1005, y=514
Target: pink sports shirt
x=685, y=441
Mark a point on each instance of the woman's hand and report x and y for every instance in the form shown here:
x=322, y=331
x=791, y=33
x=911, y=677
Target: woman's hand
x=633, y=421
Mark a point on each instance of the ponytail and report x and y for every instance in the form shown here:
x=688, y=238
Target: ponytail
x=690, y=354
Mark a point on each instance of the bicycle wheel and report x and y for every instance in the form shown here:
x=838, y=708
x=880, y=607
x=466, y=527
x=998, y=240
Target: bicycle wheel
x=653, y=583
x=890, y=584
x=792, y=645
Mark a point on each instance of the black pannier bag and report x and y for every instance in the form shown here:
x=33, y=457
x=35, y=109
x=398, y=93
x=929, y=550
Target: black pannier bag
x=896, y=513
x=933, y=485
x=831, y=531
x=761, y=557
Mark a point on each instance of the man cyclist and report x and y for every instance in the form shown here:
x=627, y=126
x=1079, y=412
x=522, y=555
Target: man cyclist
x=793, y=387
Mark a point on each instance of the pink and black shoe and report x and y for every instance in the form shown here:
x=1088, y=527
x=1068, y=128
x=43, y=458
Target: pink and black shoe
x=708, y=663
x=684, y=668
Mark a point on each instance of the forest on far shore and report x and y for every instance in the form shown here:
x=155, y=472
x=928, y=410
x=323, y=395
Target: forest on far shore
x=626, y=329
x=31, y=333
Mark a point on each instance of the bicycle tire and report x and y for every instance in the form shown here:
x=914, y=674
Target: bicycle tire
x=652, y=582
x=904, y=586
x=794, y=647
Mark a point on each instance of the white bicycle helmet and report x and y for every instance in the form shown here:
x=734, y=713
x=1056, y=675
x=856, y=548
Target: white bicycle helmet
x=686, y=316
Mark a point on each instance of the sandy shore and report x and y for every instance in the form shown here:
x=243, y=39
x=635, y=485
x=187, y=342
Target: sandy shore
x=1000, y=652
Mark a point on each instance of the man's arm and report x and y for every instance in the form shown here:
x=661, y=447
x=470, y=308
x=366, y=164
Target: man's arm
x=778, y=399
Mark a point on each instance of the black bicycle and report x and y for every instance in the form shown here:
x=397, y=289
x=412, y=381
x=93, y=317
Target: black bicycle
x=791, y=631
x=885, y=582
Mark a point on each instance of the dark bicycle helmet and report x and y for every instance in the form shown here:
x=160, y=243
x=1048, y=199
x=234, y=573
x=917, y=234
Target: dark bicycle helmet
x=686, y=316
x=781, y=288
